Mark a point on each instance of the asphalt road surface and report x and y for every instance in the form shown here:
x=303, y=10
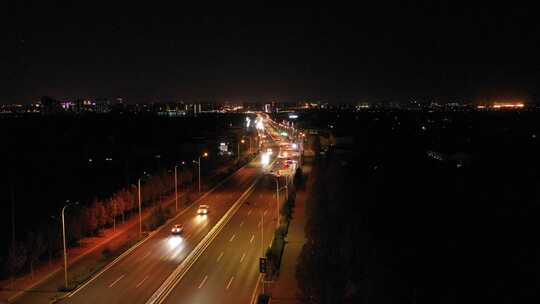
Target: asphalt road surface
x=134, y=278
x=228, y=270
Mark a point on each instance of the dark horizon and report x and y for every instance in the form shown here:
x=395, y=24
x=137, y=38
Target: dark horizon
x=146, y=53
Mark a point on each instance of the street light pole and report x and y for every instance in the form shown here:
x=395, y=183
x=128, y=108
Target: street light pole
x=65, y=248
x=176, y=187
x=199, y=163
x=181, y=188
x=286, y=188
x=277, y=201
x=205, y=154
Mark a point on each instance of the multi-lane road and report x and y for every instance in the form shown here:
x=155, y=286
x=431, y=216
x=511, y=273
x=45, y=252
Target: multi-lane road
x=226, y=272
x=134, y=278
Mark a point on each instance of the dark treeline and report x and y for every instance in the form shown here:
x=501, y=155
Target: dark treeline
x=96, y=160
x=390, y=224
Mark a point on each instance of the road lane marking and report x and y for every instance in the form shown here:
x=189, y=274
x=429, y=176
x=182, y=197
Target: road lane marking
x=252, y=237
x=176, y=276
x=242, y=258
x=230, y=282
x=140, y=283
x=254, y=294
x=265, y=212
x=232, y=238
x=219, y=257
x=242, y=224
x=203, y=281
x=249, y=212
x=137, y=245
x=116, y=281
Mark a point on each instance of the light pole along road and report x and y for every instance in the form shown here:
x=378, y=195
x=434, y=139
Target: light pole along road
x=198, y=162
x=66, y=285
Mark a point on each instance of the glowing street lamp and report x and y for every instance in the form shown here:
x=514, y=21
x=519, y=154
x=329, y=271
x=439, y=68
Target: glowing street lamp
x=238, y=149
x=205, y=154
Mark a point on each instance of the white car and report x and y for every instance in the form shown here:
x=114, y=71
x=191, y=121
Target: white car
x=177, y=229
x=203, y=209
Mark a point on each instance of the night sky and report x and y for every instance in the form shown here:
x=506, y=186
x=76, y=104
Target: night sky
x=153, y=52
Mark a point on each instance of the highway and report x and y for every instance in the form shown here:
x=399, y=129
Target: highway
x=228, y=271
x=134, y=278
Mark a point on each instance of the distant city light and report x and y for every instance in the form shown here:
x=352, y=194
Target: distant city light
x=508, y=105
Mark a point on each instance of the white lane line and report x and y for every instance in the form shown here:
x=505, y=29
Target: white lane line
x=230, y=282
x=232, y=238
x=116, y=281
x=252, y=238
x=242, y=224
x=140, y=283
x=203, y=281
x=242, y=258
x=249, y=212
x=219, y=257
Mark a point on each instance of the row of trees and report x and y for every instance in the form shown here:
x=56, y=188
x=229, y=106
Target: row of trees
x=85, y=221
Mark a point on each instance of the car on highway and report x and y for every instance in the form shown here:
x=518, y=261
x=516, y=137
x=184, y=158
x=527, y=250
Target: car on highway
x=177, y=229
x=203, y=209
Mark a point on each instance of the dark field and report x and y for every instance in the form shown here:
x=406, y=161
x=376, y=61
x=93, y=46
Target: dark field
x=448, y=213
